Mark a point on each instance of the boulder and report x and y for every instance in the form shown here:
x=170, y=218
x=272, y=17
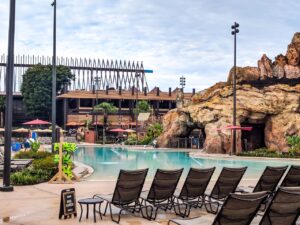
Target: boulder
x=175, y=124
x=276, y=105
x=292, y=72
x=244, y=74
x=293, y=55
x=267, y=96
x=280, y=126
x=265, y=67
x=278, y=66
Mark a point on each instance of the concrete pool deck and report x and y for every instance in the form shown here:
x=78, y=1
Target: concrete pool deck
x=39, y=204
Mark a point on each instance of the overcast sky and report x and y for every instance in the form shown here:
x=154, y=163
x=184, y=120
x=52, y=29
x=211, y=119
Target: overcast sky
x=172, y=37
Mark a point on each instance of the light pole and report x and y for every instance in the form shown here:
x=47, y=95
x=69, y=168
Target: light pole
x=137, y=75
x=234, y=31
x=53, y=117
x=9, y=99
x=182, y=82
x=96, y=79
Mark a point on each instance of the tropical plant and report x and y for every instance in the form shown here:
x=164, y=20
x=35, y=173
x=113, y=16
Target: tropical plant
x=153, y=131
x=37, y=87
x=68, y=150
x=34, y=145
x=106, y=108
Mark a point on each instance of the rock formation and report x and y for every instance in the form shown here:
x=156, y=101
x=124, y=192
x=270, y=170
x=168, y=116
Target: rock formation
x=267, y=95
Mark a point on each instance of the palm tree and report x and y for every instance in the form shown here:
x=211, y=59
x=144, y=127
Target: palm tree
x=106, y=108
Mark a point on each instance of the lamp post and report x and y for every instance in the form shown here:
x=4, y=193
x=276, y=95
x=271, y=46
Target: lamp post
x=53, y=117
x=137, y=75
x=9, y=99
x=96, y=79
x=234, y=31
x=182, y=82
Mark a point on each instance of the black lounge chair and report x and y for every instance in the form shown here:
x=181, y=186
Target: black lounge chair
x=238, y=209
x=193, y=189
x=284, y=209
x=227, y=183
x=127, y=192
x=292, y=178
x=160, y=195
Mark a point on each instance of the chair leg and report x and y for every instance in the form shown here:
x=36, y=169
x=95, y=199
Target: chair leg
x=105, y=210
x=111, y=215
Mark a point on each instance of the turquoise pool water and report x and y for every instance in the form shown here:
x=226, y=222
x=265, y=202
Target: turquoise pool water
x=108, y=161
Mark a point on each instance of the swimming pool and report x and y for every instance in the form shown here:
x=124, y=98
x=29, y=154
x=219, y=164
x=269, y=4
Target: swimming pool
x=107, y=162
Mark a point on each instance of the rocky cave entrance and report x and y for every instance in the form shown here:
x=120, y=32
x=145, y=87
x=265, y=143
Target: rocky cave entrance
x=255, y=138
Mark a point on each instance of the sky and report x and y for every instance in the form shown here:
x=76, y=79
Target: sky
x=175, y=38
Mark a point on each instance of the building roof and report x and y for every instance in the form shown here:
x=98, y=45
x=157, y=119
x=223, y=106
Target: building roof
x=125, y=95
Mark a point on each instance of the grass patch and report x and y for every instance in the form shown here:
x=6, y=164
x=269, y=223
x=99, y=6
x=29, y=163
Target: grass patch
x=264, y=152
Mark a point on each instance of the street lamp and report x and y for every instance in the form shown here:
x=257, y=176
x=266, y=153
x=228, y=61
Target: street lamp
x=182, y=82
x=53, y=117
x=234, y=31
x=9, y=99
x=96, y=80
x=137, y=75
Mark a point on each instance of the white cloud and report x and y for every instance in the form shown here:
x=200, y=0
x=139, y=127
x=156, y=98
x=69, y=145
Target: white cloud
x=172, y=37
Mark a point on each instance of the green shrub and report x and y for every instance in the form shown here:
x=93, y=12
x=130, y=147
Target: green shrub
x=32, y=155
x=153, y=131
x=294, y=143
x=264, y=152
x=47, y=164
x=131, y=140
x=30, y=176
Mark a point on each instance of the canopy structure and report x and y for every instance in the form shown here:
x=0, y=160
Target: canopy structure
x=43, y=131
x=130, y=131
x=37, y=122
x=117, y=130
x=231, y=127
x=73, y=123
x=21, y=130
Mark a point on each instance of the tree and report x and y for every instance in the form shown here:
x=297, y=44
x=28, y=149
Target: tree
x=37, y=87
x=106, y=108
x=142, y=107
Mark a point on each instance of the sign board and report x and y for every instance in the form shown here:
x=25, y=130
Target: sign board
x=67, y=203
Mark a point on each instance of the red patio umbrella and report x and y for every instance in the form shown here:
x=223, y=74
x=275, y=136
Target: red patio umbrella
x=117, y=130
x=37, y=122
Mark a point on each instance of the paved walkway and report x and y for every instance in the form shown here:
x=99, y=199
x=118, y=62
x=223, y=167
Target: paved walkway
x=39, y=204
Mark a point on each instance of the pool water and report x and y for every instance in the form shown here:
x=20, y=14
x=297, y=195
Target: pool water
x=107, y=162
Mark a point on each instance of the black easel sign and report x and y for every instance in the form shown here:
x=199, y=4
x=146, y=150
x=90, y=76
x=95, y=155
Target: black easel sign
x=67, y=203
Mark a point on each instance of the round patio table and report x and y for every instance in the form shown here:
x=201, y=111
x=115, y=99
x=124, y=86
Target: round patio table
x=90, y=201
